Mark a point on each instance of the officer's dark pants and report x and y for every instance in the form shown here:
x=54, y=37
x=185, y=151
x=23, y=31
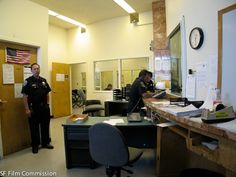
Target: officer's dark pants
x=39, y=125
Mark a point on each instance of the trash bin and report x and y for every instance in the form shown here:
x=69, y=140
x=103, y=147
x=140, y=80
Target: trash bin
x=199, y=172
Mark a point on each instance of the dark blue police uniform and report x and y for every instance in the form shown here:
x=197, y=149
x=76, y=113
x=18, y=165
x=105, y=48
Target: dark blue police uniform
x=37, y=90
x=137, y=89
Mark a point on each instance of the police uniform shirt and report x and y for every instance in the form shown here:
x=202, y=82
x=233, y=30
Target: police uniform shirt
x=137, y=89
x=37, y=90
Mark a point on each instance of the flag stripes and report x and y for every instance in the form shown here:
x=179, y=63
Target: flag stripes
x=17, y=56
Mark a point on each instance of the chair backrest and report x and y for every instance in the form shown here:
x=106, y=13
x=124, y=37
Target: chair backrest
x=91, y=102
x=107, y=145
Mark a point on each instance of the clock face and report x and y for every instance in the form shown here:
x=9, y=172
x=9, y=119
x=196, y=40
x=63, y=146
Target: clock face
x=196, y=38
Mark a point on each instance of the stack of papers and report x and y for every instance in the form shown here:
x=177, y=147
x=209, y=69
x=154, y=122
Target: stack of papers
x=189, y=110
x=211, y=145
x=114, y=121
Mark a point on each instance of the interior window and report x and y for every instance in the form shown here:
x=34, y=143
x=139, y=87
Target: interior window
x=107, y=74
x=131, y=68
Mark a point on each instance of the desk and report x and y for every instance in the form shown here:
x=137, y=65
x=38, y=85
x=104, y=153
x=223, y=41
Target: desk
x=193, y=131
x=117, y=107
x=139, y=134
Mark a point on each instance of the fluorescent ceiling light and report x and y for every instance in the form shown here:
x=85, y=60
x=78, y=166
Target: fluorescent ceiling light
x=71, y=20
x=52, y=13
x=67, y=19
x=125, y=6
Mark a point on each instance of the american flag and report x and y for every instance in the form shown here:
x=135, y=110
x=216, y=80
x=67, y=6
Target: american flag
x=17, y=56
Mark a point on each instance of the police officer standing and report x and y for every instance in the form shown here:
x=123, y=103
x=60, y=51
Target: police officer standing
x=36, y=101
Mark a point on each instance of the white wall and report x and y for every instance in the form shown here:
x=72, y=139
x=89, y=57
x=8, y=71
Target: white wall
x=25, y=22
x=115, y=38
x=110, y=39
x=57, y=44
x=202, y=14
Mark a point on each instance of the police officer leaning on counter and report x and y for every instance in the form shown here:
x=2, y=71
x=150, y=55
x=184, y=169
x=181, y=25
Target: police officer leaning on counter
x=36, y=101
x=142, y=87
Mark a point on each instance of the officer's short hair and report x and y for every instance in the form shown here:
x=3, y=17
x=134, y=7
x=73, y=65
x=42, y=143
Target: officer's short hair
x=33, y=65
x=143, y=73
x=150, y=73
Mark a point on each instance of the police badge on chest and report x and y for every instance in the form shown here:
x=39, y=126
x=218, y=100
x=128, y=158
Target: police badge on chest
x=44, y=84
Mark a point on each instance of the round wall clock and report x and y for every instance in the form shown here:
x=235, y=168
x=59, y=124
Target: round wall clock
x=196, y=38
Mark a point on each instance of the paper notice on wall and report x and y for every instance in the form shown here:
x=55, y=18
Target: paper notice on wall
x=212, y=62
x=166, y=65
x=60, y=77
x=162, y=66
x=27, y=71
x=8, y=73
x=201, y=74
x=191, y=87
x=158, y=65
x=18, y=88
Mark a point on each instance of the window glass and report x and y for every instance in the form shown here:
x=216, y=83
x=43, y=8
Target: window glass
x=107, y=72
x=131, y=68
x=175, y=55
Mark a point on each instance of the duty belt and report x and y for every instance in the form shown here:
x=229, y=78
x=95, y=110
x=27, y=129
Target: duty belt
x=38, y=104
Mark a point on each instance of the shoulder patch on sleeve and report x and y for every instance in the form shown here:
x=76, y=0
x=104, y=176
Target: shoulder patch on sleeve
x=25, y=83
x=142, y=84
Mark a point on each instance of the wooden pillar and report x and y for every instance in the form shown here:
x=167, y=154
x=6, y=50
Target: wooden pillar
x=160, y=42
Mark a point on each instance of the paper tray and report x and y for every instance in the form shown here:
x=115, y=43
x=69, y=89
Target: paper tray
x=78, y=117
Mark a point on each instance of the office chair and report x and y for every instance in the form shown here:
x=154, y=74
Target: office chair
x=90, y=107
x=108, y=147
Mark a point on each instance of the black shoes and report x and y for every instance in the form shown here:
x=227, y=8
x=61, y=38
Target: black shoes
x=47, y=146
x=35, y=150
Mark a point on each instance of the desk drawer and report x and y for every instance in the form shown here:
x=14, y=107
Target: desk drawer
x=78, y=144
x=77, y=134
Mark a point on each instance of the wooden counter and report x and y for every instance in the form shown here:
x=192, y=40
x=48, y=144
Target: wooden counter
x=194, y=131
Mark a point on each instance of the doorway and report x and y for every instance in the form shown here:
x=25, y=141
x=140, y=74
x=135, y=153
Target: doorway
x=78, y=81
